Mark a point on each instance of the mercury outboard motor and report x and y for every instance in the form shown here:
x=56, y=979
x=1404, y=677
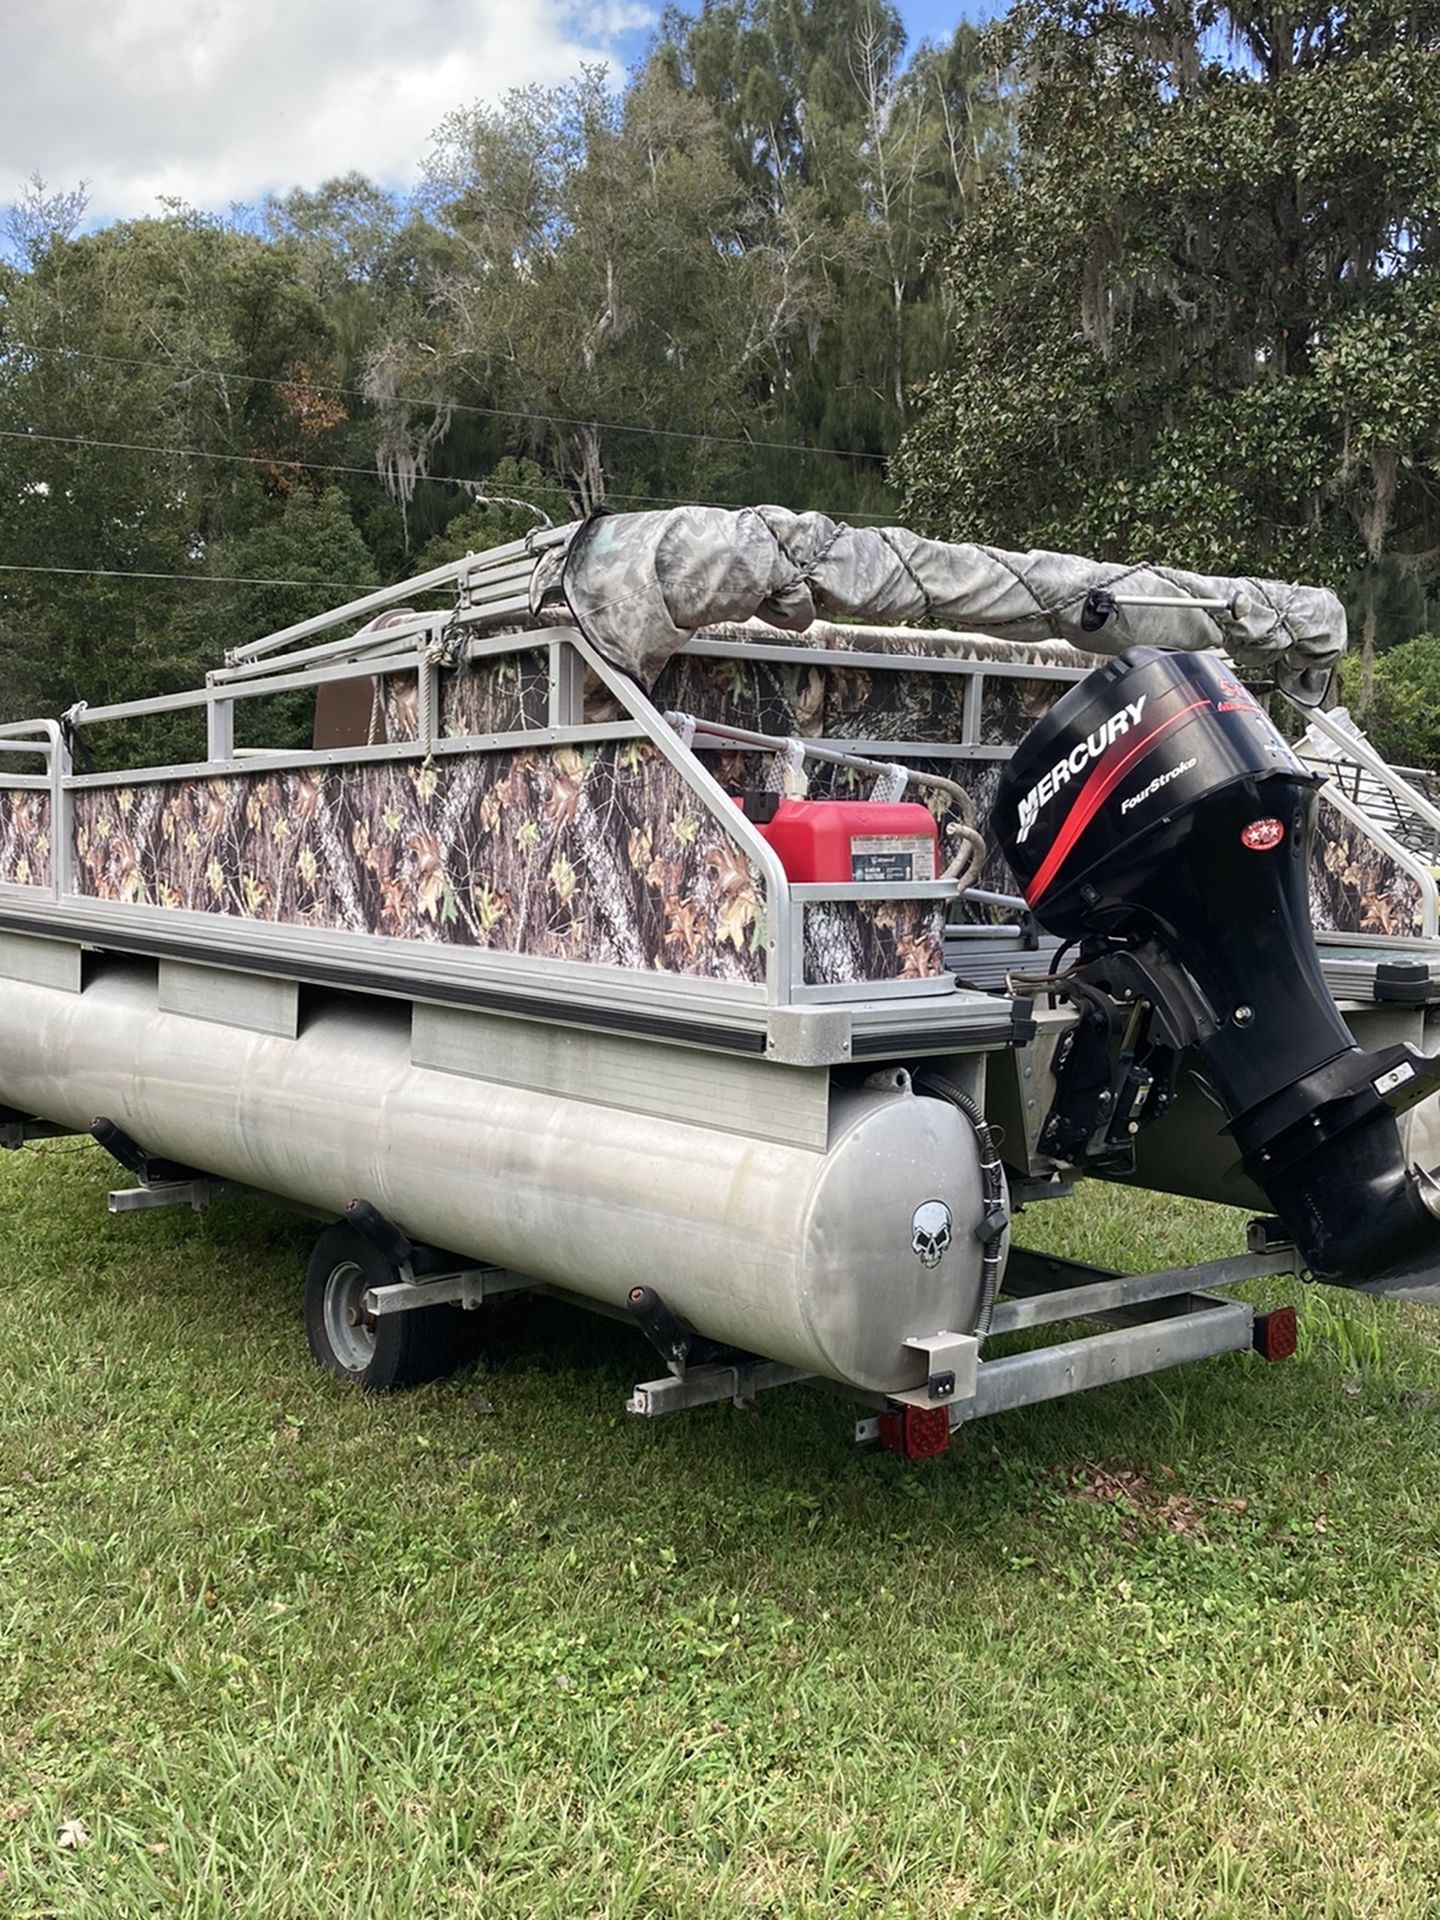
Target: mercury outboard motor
x=1157, y=818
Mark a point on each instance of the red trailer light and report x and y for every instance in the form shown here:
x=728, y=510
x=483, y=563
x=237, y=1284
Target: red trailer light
x=1261, y=835
x=915, y=1433
x=1275, y=1334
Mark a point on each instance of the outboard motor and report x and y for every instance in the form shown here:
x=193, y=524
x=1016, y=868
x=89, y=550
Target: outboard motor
x=1157, y=818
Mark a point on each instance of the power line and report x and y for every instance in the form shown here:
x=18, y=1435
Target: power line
x=191, y=579
x=320, y=466
x=457, y=406
x=256, y=459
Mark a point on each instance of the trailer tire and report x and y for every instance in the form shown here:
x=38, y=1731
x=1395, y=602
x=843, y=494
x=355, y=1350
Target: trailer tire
x=382, y=1355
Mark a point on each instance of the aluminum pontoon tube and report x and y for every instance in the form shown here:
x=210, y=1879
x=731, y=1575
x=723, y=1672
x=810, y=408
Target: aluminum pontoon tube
x=807, y=1257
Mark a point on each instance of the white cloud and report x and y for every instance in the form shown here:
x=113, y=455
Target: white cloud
x=220, y=100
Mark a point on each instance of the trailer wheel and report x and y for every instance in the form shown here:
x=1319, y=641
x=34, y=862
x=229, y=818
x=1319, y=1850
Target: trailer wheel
x=381, y=1355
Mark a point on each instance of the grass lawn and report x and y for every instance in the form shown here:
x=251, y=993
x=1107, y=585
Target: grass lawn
x=494, y=1648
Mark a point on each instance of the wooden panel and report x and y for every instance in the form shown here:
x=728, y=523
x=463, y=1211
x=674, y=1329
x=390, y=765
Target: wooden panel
x=346, y=713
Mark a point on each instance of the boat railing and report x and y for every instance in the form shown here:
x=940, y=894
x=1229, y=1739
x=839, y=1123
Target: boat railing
x=127, y=840
x=685, y=897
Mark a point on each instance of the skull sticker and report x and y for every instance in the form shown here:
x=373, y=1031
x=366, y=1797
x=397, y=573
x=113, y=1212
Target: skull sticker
x=932, y=1230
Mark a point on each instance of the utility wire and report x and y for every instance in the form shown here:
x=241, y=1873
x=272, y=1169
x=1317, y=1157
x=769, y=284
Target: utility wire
x=320, y=466
x=454, y=406
x=192, y=579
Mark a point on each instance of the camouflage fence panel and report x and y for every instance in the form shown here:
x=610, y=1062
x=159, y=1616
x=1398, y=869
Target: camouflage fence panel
x=24, y=837
x=594, y=855
x=849, y=940
x=1355, y=886
x=761, y=696
x=601, y=855
x=831, y=699
x=507, y=693
x=501, y=693
x=1009, y=707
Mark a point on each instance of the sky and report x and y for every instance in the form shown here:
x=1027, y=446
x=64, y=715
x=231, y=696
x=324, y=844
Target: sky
x=217, y=102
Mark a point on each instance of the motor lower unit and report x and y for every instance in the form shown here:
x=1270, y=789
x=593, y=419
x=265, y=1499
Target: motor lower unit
x=1156, y=818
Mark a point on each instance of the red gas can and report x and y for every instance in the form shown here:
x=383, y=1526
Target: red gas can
x=854, y=840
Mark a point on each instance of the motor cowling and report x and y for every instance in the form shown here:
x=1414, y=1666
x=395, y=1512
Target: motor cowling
x=1156, y=817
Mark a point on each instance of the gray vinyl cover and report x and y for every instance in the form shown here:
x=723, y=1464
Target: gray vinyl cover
x=638, y=585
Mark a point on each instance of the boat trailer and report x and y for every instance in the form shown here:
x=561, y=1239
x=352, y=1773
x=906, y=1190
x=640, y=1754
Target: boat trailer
x=742, y=978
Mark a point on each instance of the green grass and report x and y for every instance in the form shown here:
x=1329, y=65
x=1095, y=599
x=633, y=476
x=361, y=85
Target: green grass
x=1167, y=1649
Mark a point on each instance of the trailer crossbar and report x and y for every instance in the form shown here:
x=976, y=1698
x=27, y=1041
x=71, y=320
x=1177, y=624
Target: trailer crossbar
x=737, y=1381
x=1211, y=1326
x=469, y=1287
x=1032, y=1298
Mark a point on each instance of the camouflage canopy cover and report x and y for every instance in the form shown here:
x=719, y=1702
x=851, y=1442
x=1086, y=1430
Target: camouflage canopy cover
x=638, y=585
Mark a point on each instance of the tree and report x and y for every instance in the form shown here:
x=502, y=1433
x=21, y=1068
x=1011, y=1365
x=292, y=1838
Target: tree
x=720, y=283
x=597, y=274
x=1197, y=319
x=737, y=251
x=511, y=502
x=38, y=217
x=318, y=559
x=161, y=388
x=860, y=166
x=1403, y=716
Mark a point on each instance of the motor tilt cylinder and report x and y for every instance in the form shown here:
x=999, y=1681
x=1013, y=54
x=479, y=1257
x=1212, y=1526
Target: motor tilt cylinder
x=1156, y=803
